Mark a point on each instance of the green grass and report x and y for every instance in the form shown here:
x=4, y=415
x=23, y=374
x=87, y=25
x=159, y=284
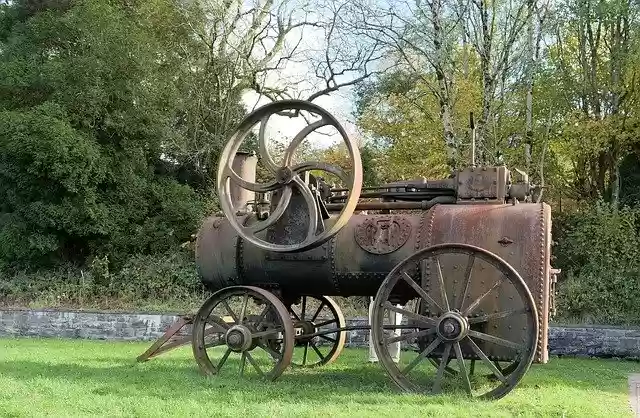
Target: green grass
x=49, y=377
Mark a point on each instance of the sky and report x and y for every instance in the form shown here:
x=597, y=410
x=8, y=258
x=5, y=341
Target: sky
x=338, y=103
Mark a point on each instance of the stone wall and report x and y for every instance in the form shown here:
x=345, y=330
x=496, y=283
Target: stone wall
x=563, y=340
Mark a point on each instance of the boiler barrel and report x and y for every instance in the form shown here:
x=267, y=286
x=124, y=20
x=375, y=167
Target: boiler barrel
x=357, y=259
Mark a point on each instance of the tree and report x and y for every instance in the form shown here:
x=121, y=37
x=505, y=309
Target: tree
x=88, y=101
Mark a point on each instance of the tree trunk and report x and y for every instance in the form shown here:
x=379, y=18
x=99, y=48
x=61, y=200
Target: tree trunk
x=443, y=84
x=488, y=81
x=528, y=136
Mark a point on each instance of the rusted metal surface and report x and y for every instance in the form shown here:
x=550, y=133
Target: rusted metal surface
x=483, y=183
x=383, y=234
x=491, y=227
x=167, y=341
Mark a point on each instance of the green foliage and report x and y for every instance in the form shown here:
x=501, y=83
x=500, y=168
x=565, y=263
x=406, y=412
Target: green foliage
x=89, y=98
x=161, y=282
x=598, y=250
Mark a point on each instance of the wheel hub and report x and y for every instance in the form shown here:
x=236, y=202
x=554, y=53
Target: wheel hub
x=238, y=338
x=306, y=328
x=284, y=175
x=452, y=326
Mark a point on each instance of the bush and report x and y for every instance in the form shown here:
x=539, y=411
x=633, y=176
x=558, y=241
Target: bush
x=153, y=283
x=598, y=250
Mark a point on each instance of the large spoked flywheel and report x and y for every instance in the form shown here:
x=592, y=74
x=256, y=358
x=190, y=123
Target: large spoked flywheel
x=474, y=311
x=288, y=176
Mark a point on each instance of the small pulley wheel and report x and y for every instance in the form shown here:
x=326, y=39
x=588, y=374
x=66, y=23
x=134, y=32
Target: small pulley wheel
x=288, y=176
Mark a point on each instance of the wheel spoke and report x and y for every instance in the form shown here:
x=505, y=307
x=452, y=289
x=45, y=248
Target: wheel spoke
x=243, y=361
x=318, y=311
x=414, y=334
x=477, y=302
x=304, y=356
x=485, y=360
x=409, y=314
x=311, y=206
x=434, y=344
x=270, y=351
x=495, y=340
x=405, y=276
x=467, y=280
x=243, y=311
x=461, y=366
x=253, y=363
x=321, y=324
x=215, y=344
x=297, y=140
x=497, y=315
x=443, y=363
x=223, y=359
x=221, y=329
x=262, y=316
x=322, y=166
x=303, y=307
x=333, y=340
x=230, y=311
x=262, y=146
x=443, y=291
x=316, y=350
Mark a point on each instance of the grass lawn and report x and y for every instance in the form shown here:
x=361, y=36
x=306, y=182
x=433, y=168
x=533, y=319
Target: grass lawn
x=49, y=377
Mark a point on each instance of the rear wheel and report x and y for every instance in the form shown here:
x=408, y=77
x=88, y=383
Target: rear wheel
x=478, y=314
